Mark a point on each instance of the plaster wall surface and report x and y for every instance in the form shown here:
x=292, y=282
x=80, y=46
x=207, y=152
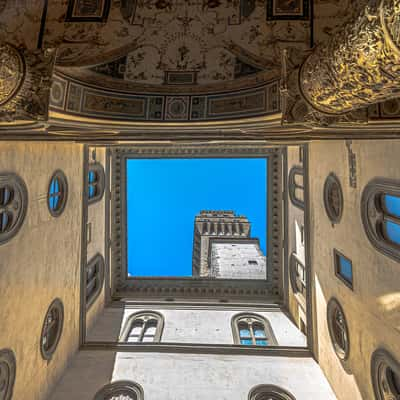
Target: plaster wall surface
x=372, y=308
x=198, y=377
x=96, y=226
x=295, y=241
x=41, y=263
x=238, y=261
x=208, y=326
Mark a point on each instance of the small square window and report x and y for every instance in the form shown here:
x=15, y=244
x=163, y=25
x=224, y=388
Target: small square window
x=343, y=269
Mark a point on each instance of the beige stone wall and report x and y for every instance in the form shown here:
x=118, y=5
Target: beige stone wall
x=372, y=309
x=41, y=263
x=96, y=219
x=295, y=220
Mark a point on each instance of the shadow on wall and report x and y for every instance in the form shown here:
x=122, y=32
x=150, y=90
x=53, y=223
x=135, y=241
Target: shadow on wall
x=108, y=327
x=86, y=375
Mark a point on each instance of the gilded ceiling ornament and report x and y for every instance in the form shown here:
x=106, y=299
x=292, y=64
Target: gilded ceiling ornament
x=359, y=65
x=12, y=72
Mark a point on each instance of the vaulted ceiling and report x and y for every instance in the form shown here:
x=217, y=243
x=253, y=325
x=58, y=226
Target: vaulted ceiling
x=111, y=54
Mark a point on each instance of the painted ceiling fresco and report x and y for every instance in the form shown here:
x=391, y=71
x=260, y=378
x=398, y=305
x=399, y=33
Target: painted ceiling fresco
x=185, y=42
x=158, y=59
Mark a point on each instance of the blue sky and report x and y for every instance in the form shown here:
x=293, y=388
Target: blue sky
x=165, y=195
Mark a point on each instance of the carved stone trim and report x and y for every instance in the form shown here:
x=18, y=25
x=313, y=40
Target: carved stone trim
x=122, y=285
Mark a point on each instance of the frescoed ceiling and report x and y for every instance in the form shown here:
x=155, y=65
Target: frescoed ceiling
x=159, y=60
x=184, y=42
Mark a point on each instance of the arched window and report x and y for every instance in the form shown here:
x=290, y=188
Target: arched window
x=57, y=193
x=143, y=327
x=338, y=329
x=270, y=392
x=13, y=205
x=94, y=278
x=385, y=372
x=120, y=390
x=52, y=329
x=252, y=330
x=96, y=181
x=296, y=186
x=333, y=198
x=380, y=213
x=297, y=275
x=7, y=374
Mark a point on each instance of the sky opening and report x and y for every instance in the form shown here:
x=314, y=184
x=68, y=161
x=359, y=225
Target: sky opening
x=165, y=195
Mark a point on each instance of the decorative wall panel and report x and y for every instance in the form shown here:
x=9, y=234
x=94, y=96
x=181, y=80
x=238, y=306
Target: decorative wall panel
x=75, y=98
x=88, y=10
x=288, y=9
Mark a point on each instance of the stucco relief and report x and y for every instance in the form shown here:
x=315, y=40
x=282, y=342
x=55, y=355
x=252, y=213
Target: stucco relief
x=358, y=66
x=12, y=72
x=212, y=38
x=25, y=80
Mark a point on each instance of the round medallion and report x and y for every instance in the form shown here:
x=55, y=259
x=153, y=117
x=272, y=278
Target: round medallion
x=120, y=390
x=12, y=72
x=7, y=374
x=385, y=371
x=52, y=329
x=333, y=198
x=338, y=329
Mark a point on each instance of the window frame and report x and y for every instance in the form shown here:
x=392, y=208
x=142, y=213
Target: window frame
x=342, y=353
x=57, y=305
x=381, y=358
x=58, y=174
x=99, y=278
x=128, y=326
x=293, y=261
x=269, y=392
x=373, y=215
x=292, y=186
x=336, y=261
x=98, y=169
x=125, y=285
x=269, y=332
x=20, y=193
x=118, y=388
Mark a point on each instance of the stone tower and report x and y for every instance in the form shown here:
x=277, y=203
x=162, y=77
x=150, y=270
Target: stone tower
x=222, y=247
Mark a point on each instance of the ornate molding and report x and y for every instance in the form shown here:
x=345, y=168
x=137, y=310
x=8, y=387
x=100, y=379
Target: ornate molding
x=296, y=109
x=199, y=287
x=25, y=80
x=357, y=67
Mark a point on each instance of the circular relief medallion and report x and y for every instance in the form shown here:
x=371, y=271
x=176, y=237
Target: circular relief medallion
x=52, y=329
x=7, y=374
x=333, y=198
x=385, y=372
x=338, y=329
x=12, y=72
x=120, y=390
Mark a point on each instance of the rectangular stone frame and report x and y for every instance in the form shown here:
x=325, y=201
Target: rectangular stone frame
x=162, y=287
